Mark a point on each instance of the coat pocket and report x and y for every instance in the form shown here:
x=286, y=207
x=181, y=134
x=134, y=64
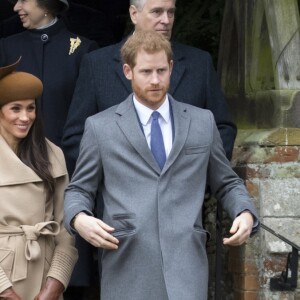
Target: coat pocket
x=6, y=260
x=196, y=150
x=202, y=231
x=124, y=224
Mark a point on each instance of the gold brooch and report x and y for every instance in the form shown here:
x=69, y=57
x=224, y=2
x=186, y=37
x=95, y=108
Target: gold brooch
x=74, y=44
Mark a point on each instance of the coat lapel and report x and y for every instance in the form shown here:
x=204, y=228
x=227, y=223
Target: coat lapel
x=13, y=170
x=118, y=67
x=178, y=68
x=56, y=157
x=129, y=124
x=181, y=126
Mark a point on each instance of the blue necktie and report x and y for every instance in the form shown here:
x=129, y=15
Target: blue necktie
x=157, y=142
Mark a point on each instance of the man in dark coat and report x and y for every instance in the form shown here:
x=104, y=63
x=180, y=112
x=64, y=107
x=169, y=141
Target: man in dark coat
x=101, y=81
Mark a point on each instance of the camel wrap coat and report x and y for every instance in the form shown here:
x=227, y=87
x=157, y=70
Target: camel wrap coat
x=33, y=241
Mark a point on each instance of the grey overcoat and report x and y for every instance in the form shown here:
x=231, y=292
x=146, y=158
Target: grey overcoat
x=157, y=214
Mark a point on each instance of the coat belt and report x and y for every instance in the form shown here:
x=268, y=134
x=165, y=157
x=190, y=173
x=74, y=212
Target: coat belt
x=30, y=244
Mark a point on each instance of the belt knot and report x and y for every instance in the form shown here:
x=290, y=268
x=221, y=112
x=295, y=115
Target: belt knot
x=32, y=233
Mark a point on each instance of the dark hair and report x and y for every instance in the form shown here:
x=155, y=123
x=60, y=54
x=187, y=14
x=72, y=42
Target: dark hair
x=54, y=7
x=33, y=152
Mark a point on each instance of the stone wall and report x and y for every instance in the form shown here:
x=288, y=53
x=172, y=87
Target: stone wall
x=269, y=162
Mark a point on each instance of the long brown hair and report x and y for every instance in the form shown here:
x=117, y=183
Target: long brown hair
x=33, y=152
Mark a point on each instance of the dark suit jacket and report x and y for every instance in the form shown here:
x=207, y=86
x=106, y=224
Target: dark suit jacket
x=101, y=84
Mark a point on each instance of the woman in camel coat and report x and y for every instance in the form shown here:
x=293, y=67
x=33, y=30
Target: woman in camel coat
x=37, y=255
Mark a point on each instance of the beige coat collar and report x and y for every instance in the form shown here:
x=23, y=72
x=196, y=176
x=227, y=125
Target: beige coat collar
x=14, y=171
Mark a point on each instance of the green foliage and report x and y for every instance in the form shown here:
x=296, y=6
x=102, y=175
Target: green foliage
x=198, y=23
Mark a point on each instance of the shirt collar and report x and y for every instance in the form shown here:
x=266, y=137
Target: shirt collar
x=144, y=112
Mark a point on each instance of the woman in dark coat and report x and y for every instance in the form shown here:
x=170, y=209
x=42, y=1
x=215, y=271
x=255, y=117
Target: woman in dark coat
x=52, y=53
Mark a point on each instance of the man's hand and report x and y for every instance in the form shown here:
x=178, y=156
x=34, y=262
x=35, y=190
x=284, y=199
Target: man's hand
x=241, y=229
x=9, y=294
x=95, y=231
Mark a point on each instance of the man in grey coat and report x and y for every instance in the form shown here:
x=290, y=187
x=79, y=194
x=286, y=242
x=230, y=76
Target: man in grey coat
x=101, y=82
x=152, y=232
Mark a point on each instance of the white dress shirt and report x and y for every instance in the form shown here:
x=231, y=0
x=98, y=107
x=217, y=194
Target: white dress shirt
x=165, y=122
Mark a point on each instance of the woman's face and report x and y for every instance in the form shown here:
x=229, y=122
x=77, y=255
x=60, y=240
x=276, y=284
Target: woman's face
x=16, y=119
x=31, y=15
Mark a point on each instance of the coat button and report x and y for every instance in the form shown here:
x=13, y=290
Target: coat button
x=44, y=37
